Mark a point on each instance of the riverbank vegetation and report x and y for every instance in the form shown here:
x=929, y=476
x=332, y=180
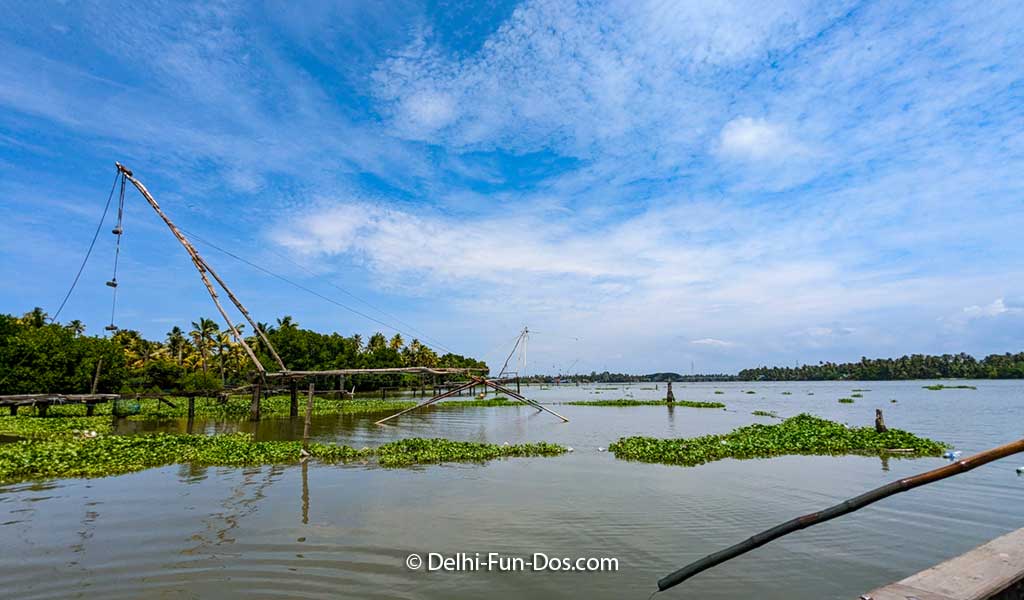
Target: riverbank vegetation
x=914, y=366
x=38, y=356
x=802, y=434
x=628, y=402
x=111, y=455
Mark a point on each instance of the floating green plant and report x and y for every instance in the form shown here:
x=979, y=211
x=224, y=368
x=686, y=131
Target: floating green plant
x=751, y=392
x=627, y=402
x=420, y=450
x=939, y=386
x=787, y=393
x=846, y=400
x=38, y=428
x=765, y=413
x=111, y=455
x=856, y=395
x=860, y=390
x=802, y=434
x=719, y=392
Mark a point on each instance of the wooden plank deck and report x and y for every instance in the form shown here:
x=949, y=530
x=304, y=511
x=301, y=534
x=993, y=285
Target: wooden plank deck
x=992, y=571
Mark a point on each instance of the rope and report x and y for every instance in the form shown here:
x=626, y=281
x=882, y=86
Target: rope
x=81, y=268
x=308, y=290
x=118, y=231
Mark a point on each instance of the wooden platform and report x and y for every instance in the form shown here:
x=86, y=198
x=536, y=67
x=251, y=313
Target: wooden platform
x=42, y=401
x=993, y=571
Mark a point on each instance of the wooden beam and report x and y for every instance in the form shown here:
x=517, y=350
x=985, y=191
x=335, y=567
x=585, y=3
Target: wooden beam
x=447, y=394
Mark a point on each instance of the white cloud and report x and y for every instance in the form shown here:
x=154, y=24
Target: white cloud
x=712, y=342
x=994, y=309
x=758, y=139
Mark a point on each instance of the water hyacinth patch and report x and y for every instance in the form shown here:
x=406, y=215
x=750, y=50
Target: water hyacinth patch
x=627, y=402
x=765, y=413
x=112, y=455
x=846, y=400
x=419, y=451
x=802, y=434
x=37, y=428
x=939, y=386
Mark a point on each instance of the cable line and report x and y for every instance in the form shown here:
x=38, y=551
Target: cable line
x=308, y=290
x=95, y=236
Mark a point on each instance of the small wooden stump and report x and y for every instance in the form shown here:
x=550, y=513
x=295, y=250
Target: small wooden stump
x=254, y=407
x=669, y=396
x=880, y=421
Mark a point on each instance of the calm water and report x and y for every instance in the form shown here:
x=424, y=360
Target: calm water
x=326, y=531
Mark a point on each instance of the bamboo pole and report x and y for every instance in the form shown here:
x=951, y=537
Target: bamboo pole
x=847, y=506
x=202, y=266
x=533, y=403
x=293, y=406
x=309, y=418
x=96, y=377
x=447, y=394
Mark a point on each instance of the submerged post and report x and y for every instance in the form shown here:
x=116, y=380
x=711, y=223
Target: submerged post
x=669, y=396
x=254, y=406
x=293, y=408
x=191, y=407
x=880, y=422
x=96, y=377
x=309, y=418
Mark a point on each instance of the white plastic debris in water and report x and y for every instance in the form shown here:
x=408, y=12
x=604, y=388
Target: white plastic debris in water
x=569, y=449
x=600, y=449
x=1020, y=470
x=952, y=455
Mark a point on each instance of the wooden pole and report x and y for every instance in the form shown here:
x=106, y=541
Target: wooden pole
x=293, y=408
x=96, y=377
x=191, y=407
x=521, y=398
x=305, y=492
x=847, y=506
x=669, y=396
x=203, y=267
x=309, y=418
x=254, y=406
x=880, y=421
x=437, y=397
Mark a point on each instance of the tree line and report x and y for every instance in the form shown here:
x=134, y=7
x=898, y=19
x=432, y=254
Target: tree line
x=39, y=356
x=914, y=366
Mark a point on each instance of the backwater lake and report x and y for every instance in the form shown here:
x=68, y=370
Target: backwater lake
x=344, y=531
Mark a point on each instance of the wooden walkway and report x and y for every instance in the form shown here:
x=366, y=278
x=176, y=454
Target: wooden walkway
x=993, y=571
x=43, y=401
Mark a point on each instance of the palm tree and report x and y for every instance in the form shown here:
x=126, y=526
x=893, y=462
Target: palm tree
x=202, y=334
x=76, y=327
x=36, y=318
x=287, y=322
x=176, y=343
x=376, y=342
x=358, y=339
x=396, y=342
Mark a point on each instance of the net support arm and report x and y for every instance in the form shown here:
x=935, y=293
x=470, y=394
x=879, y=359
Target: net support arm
x=845, y=507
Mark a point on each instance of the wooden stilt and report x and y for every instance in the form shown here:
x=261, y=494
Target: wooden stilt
x=41, y=409
x=96, y=377
x=191, y=407
x=90, y=409
x=254, y=407
x=293, y=408
x=305, y=492
x=14, y=410
x=669, y=396
x=309, y=418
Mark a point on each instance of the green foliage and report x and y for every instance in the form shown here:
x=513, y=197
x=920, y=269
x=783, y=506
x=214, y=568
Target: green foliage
x=419, y=450
x=802, y=434
x=765, y=413
x=111, y=455
x=36, y=428
x=36, y=357
x=856, y=395
x=914, y=366
x=628, y=402
x=751, y=392
x=719, y=392
x=939, y=386
x=846, y=400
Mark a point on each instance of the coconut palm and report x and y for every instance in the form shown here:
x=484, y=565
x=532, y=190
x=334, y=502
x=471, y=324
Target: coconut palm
x=203, y=333
x=76, y=327
x=396, y=342
x=176, y=343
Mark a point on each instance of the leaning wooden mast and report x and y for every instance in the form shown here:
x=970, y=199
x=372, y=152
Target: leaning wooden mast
x=203, y=267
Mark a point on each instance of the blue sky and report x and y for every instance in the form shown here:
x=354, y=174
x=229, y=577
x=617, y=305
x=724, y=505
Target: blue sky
x=646, y=185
